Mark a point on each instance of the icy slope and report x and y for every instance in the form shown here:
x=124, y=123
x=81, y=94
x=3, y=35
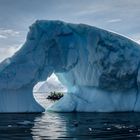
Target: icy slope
x=99, y=68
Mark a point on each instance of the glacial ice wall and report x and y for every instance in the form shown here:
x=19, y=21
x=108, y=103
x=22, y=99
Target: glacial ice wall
x=99, y=68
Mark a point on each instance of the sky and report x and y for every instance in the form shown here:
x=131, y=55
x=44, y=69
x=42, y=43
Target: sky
x=121, y=16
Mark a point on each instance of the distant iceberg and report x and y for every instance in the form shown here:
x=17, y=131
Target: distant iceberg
x=52, y=84
x=99, y=68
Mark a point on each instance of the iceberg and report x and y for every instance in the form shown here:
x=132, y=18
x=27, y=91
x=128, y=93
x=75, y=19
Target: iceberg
x=99, y=68
x=52, y=84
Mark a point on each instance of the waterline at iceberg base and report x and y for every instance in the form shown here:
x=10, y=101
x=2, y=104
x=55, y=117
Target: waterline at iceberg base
x=99, y=68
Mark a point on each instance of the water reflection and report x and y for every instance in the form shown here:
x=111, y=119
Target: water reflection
x=77, y=126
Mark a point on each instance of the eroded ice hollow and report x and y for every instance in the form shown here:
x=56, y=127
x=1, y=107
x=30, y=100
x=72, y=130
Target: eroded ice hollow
x=99, y=68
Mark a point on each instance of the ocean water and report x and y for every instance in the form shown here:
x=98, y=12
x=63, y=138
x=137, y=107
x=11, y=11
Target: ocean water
x=72, y=126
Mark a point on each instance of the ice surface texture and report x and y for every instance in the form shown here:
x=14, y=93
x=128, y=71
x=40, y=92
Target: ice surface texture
x=99, y=68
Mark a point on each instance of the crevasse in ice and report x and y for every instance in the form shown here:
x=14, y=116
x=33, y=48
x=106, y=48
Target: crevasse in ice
x=99, y=68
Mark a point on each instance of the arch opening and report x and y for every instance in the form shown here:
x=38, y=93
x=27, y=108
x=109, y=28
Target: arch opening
x=42, y=89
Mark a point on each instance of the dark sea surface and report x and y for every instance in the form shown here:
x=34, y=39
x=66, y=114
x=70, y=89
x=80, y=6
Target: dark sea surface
x=72, y=126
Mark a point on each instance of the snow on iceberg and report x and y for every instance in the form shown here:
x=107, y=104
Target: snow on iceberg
x=99, y=68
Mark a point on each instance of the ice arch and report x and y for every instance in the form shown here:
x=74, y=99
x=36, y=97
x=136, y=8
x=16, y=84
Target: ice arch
x=99, y=68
